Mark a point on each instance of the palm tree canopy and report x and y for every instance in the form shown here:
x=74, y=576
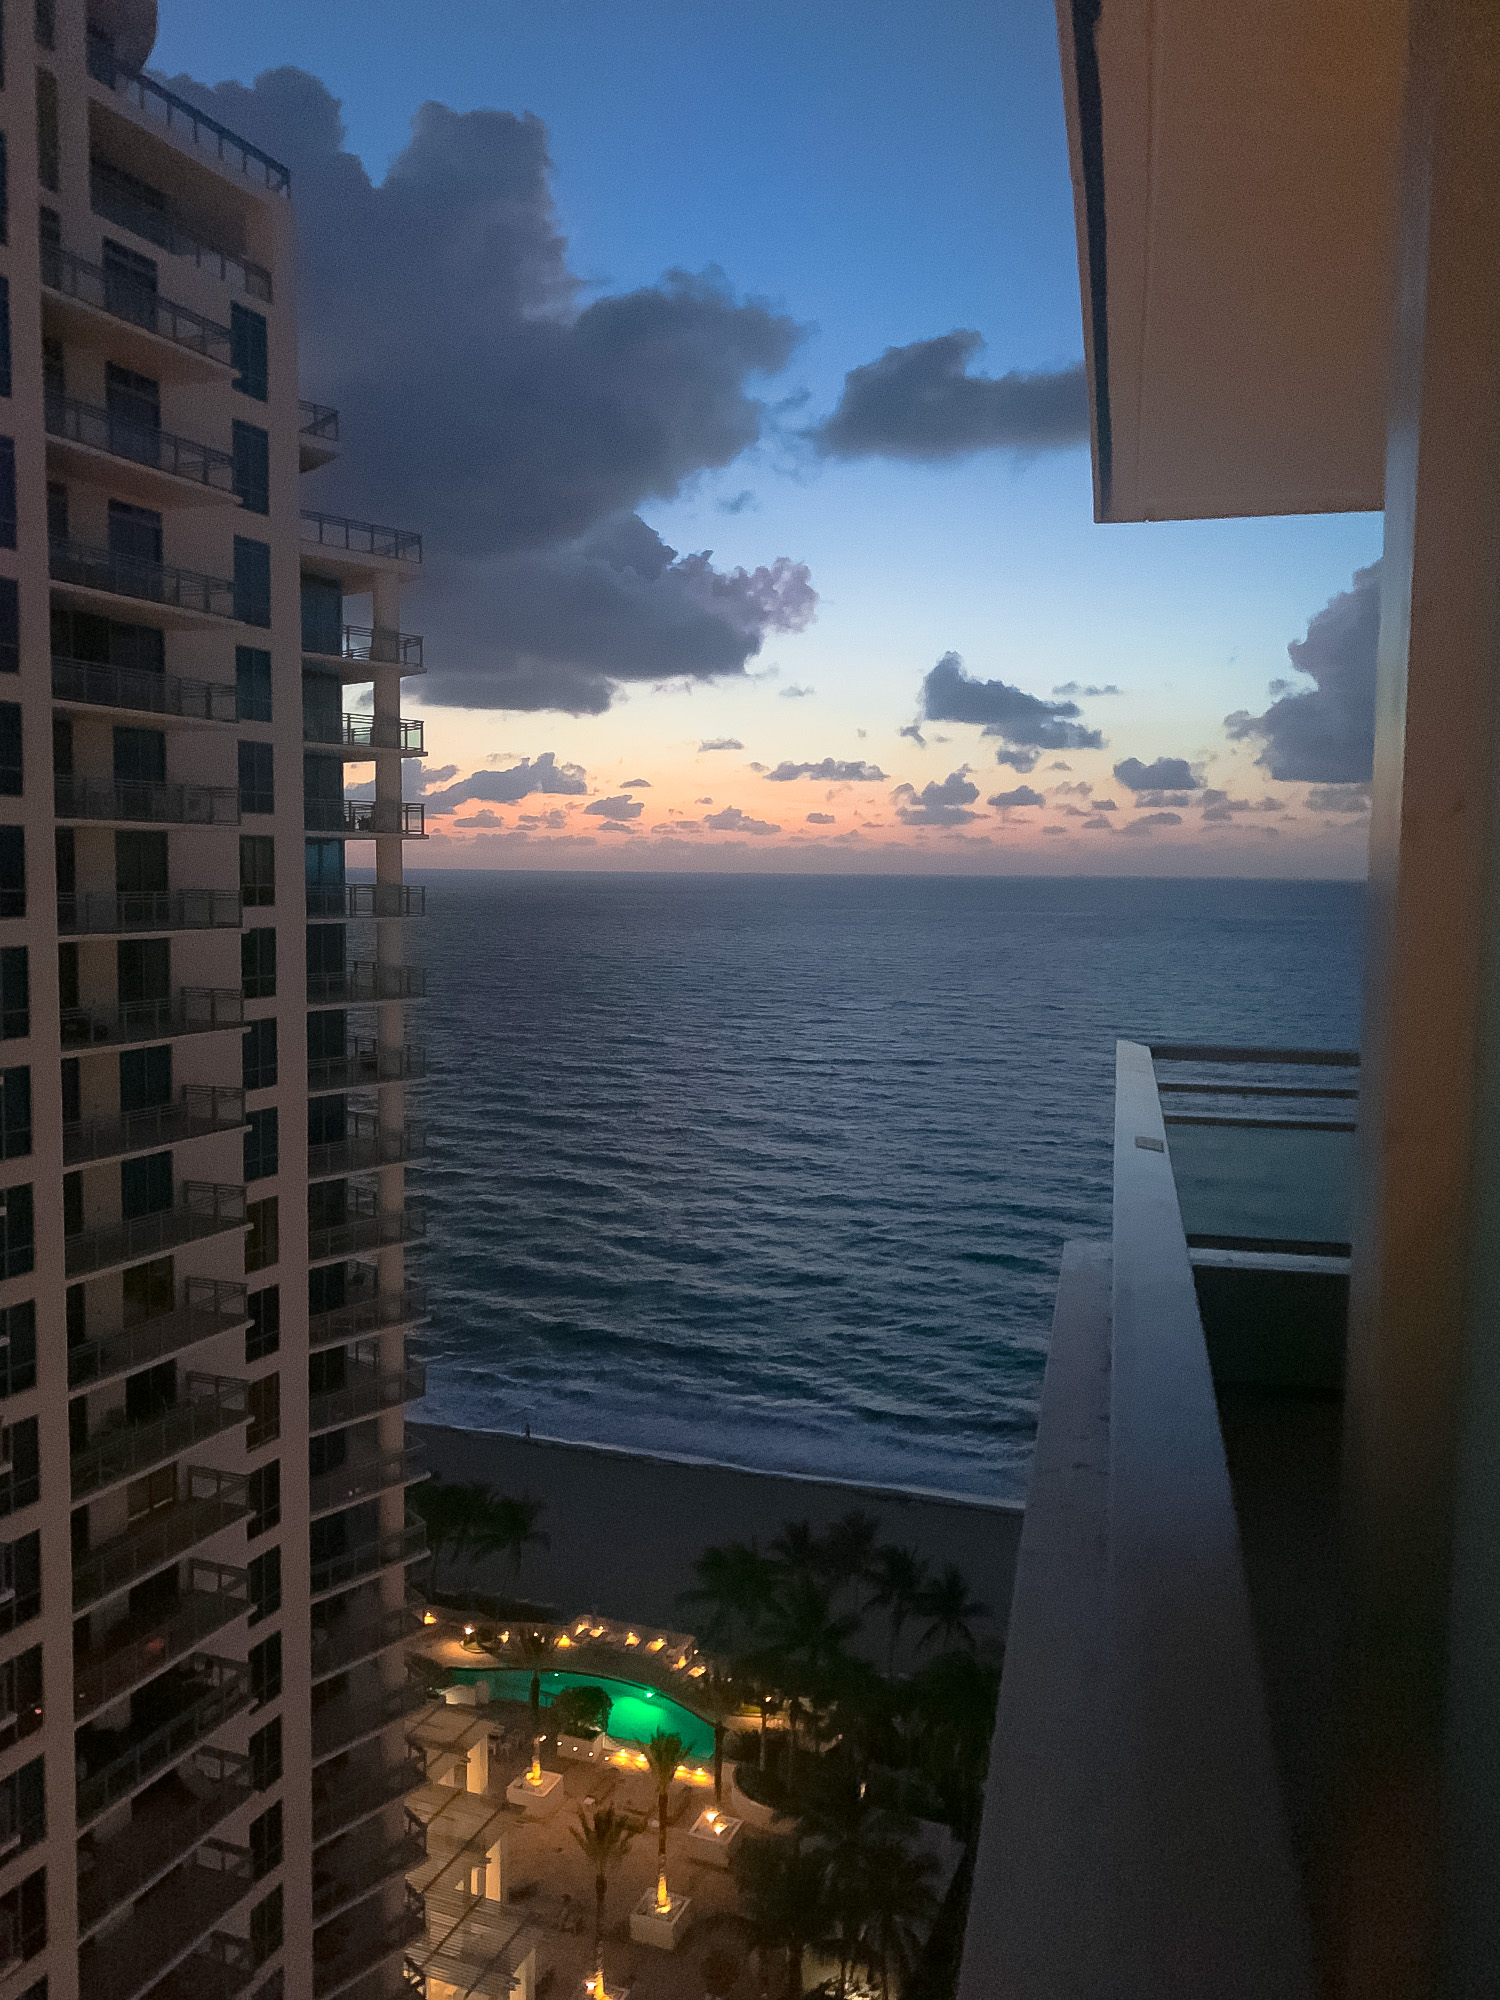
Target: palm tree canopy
x=896, y=1578
x=735, y=1586
x=716, y=1698
x=605, y=1837
x=532, y=1644
x=663, y=1755
x=783, y=1893
x=848, y=1546
x=797, y=1549
x=946, y=1601
x=803, y=1628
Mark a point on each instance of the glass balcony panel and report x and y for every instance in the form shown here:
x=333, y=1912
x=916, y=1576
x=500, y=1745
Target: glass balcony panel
x=204, y=1208
x=213, y=1691
x=365, y=1061
x=112, y=292
x=210, y=1404
x=365, y=1393
x=213, y=1501
x=76, y=422
x=357, y=1791
x=362, y=538
x=357, y=1637
x=407, y=1545
x=339, y=1724
x=207, y=1306
x=140, y=1646
x=165, y=1825
x=146, y=804
x=92, y=568
x=102, y=913
x=141, y=691
x=194, y=1010
x=360, y=1865
x=367, y=1310
x=198, y=1110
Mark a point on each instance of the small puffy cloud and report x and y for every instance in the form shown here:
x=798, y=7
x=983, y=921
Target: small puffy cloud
x=427, y=780
x=1079, y=788
x=830, y=770
x=702, y=802
x=919, y=402
x=944, y=804
x=743, y=502
x=821, y=819
x=553, y=821
x=1148, y=822
x=617, y=826
x=1098, y=824
x=1164, y=774
x=1104, y=806
x=620, y=807
x=732, y=820
x=541, y=774
x=1023, y=795
x=1055, y=829
x=1163, y=799
x=720, y=743
x=914, y=731
x=636, y=784
x=1325, y=733
x=1089, y=693
x=796, y=693
x=485, y=818
x=1339, y=798
x=1026, y=724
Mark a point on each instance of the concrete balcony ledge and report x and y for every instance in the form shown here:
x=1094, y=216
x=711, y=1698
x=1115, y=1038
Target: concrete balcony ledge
x=217, y=1689
x=198, y=1111
x=364, y=819
x=166, y=1924
x=138, y=1648
x=208, y=1306
x=358, y=737
x=365, y=1392
x=210, y=1404
x=366, y=1229
x=351, y=1566
x=212, y=1501
x=101, y=573
x=358, y=648
x=203, y=1208
x=365, y=1148
x=193, y=1010
x=341, y=536
x=132, y=804
x=364, y=1062
x=140, y=691
x=341, y=1805
x=155, y=461
x=364, y=1870
x=355, y=902
x=215, y=1783
x=369, y=1946
x=366, y=1311
x=363, y=1478
x=147, y=912
x=151, y=325
x=353, y=1640
x=362, y=982
x=339, y=1725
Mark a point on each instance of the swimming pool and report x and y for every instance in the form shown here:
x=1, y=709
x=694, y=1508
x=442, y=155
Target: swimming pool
x=635, y=1712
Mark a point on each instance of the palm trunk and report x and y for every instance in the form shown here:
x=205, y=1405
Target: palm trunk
x=794, y=1972
x=661, y=1828
x=536, y=1706
x=600, y=1885
x=718, y=1763
x=765, y=1716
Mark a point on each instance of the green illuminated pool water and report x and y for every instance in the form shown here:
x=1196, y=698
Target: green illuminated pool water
x=635, y=1712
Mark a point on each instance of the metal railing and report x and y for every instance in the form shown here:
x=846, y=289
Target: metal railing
x=362, y=981
x=365, y=1393
x=368, y=1949
x=317, y=420
x=123, y=298
x=360, y=900
x=339, y=1724
x=354, y=1639
x=226, y=1691
x=145, y=444
x=132, y=1956
x=342, y=1801
x=366, y=1145
x=214, y=1500
x=372, y=1870
x=118, y=205
x=360, y=538
x=364, y=1062
x=362, y=818
x=193, y=1010
x=209, y=1306
x=205, y=1208
x=91, y=568
x=99, y=912
x=359, y=1478
x=370, y=1313
x=181, y=118
x=141, y=690
x=139, y=800
x=132, y=1652
x=376, y=1230
x=367, y=732
x=379, y=645
x=198, y=1110
x=212, y=1403
x=407, y=1545
x=221, y=1968
x=118, y=1870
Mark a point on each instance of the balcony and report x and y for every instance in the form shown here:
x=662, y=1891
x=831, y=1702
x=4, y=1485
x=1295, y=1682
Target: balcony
x=220, y=1968
x=212, y=1691
x=368, y=1310
x=169, y=1920
x=140, y=691
x=214, y=1501
x=361, y=983
x=212, y=1403
x=198, y=1111
x=358, y=901
x=163, y=1830
x=139, y=804
x=364, y=1948
x=365, y=1146
x=339, y=1725
x=144, y=912
x=317, y=435
x=364, y=646
x=337, y=536
x=365, y=1393
x=407, y=1545
x=353, y=1639
x=184, y=123
x=196, y=1010
x=205, y=1208
x=138, y=1648
x=100, y=577
x=140, y=460
x=360, y=736
x=366, y=1062
x=364, y=819
x=343, y=1800
x=366, y=1226
x=361, y=1478
x=209, y=1306
x=134, y=324
x=364, y=1864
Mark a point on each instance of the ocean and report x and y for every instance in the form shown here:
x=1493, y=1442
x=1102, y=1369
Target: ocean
x=776, y=1171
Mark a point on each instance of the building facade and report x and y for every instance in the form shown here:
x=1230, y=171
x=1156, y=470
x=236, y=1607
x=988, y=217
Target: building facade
x=203, y=1130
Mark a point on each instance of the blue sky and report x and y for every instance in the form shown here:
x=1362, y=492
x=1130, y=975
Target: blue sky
x=883, y=174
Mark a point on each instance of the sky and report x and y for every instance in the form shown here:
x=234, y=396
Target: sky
x=727, y=357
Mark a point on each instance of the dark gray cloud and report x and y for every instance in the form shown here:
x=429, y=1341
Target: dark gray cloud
x=1148, y=822
x=944, y=804
x=821, y=819
x=1089, y=693
x=719, y=743
x=635, y=784
x=920, y=402
x=732, y=820
x=1026, y=724
x=541, y=774
x=1023, y=795
x=1325, y=733
x=796, y=693
x=486, y=399
x=1164, y=774
x=1339, y=798
x=742, y=503
x=831, y=770
x=620, y=807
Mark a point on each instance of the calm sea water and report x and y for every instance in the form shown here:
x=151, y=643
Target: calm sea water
x=777, y=1171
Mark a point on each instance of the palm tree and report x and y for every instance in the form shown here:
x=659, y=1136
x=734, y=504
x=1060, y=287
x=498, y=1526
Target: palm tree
x=716, y=1700
x=604, y=1840
x=663, y=1755
x=451, y=1513
x=895, y=1888
x=897, y=1579
x=948, y=1604
x=532, y=1644
x=735, y=1587
x=783, y=1896
x=514, y=1529
x=847, y=1549
x=797, y=1549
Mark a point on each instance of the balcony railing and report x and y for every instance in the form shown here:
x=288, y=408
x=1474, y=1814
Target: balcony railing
x=212, y=1403
x=225, y=1689
x=198, y=1110
x=112, y=292
x=205, y=1208
x=185, y=122
x=407, y=1545
x=351, y=1640
x=339, y=1724
x=366, y=1145
x=138, y=802
x=360, y=819
x=195, y=1010
x=117, y=1871
x=369, y=1947
x=360, y=1478
x=214, y=1500
x=89, y=568
x=76, y=422
x=378, y=645
x=97, y=912
x=361, y=900
x=365, y=1393
x=365, y=1062
x=361, y=982
x=360, y=538
x=317, y=420
x=367, y=732
x=138, y=1648
x=344, y=1799
x=133, y=1955
x=364, y=1872
x=365, y=1226
x=209, y=1306
x=370, y=1312
x=142, y=691
x=221, y=1968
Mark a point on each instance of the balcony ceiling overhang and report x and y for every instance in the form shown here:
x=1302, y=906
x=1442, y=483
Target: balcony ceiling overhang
x=1235, y=175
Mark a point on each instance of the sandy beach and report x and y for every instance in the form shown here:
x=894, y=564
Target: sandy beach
x=626, y=1529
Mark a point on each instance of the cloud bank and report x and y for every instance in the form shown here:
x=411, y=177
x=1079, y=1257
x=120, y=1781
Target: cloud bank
x=831, y=770
x=919, y=402
x=1025, y=723
x=543, y=774
x=944, y=804
x=1325, y=734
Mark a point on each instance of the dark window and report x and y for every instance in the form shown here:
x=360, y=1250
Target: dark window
x=72, y=1090
x=252, y=581
x=48, y=162
x=7, y=493
x=13, y=871
x=57, y=512
x=265, y=1926
x=134, y=533
x=265, y=1832
x=252, y=468
x=140, y=756
x=257, y=778
x=258, y=1055
x=23, y=1919
x=143, y=970
x=20, y=1581
x=326, y=947
x=322, y=615
x=263, y=1334
x=10, y=625
x=21, y=1696
x=263, y=1490
x=252, y=679
x=151, y=1495
x=327, y=1036
x=265, y=1744
x=263, y=1399
x=327, y=1289
x=145, y=1186
x=4, y=336
x=72, y=1204
x=20, y=1465
x=15, y=992
x=140, y=863
x=247, y=351
x=46, y=24
x=262, y=1144
x=322, y=793
x=150, y=1391
x=15, y=1112
x=265, y=1584
x=328, y=1369
x=18, y=1348
x=150, y=1290
x=322, y=708
x=258, y=870
x=134, y=402
x=65, y=850
x=17, y=1232
x=67, y=979
x=10, y=749
x=258, y=964
x=145, y=1077
x=327, y=1120
x=263, y=1237
x=62, y=746
x=4, y=178
x=23, y=1808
